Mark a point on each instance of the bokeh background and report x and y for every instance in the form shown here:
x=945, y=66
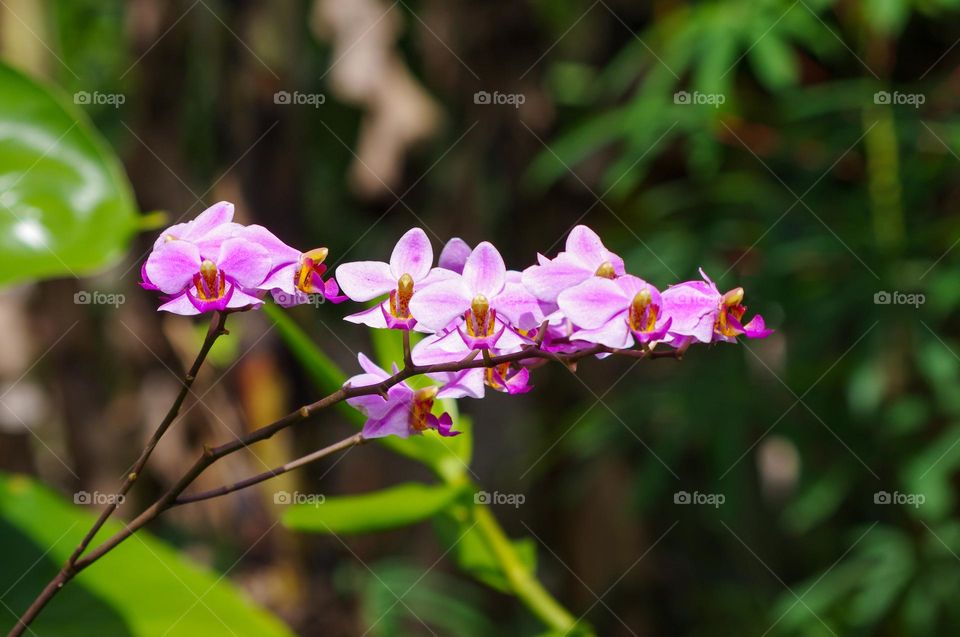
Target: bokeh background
x=806, y=150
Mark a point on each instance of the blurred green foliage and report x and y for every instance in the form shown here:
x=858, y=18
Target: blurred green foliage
x=803, y=186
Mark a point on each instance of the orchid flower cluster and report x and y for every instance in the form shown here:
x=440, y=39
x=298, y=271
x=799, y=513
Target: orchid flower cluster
x=466, y=305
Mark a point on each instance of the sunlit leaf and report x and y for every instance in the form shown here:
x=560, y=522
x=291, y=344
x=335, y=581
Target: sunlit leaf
x=143, y=588
x=387, y=509
x=66, y=207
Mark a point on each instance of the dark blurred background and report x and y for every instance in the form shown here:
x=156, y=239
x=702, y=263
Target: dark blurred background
x=804, y=150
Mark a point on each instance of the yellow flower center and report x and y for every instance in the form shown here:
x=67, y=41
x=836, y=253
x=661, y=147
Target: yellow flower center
x=642, y=314
x=209, y=284
x=310, y=263
x=606, y=271
x=400, y=298
x=420, y=410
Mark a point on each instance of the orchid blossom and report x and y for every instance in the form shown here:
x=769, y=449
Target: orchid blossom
x=409, y=270
x=480, y=304
x=585, y=257
x=403, y=412
x=615, y=313
x=296, y=277
x=699, y=312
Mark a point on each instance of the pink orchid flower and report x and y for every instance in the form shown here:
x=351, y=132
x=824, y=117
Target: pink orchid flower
x=447, y=348
x=481, y=303
x=404, y=412
x=584, y=257
x=296, y=277
x=409, y=271
x=207, y=231
x=699, y=312
x=615, y=313
x=200, y=280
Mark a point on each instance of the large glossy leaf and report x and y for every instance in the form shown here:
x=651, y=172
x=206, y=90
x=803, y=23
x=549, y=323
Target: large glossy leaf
x=387, y=509
x=144, y=588
x=66, y=207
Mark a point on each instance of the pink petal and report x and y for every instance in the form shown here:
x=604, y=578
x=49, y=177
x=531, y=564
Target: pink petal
x=280, y=252
x=180, y=304
x=281, y=278
x=437, y=305
x=484, y=272
x=757, y=328
x=518, y=306
x=239, y=298
x=244, y=261
x=216, y=215
x=593, y=302
x=412, y=255
x=365, y=280
x=547, y=281
x=372, y=317
x=454, y=255
x=370, y=367
x=583, y=243
x=613, y=333
x=395, y=423
x=172, y=266
x=693, y=307
x=466, y=384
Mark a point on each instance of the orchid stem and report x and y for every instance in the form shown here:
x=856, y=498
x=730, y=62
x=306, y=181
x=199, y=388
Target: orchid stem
x=69, y=569
x=526, y=587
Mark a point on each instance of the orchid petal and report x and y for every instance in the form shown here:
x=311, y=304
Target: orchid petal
x=179, y=304
x=613, y=333
x=244, y=261
x=172, y=266
x=593, y=302
x=547, y=281
x=412, y=255
x=365, y=280
x=484, y=272
x=437, y=305
x=454, y=255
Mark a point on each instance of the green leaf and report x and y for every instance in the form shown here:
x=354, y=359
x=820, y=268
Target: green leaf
x=66, y=207
x=774, y=62
x=143, y=588
x=387, y=509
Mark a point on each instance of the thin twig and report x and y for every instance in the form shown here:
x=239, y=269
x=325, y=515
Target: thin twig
x=69, y=569
x=173, y=496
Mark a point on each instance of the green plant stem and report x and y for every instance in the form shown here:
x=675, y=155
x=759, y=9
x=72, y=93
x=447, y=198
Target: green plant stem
x=524, y=584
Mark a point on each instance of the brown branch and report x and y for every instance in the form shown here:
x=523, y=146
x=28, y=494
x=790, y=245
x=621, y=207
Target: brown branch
x=173, y=497
x=69, y=569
